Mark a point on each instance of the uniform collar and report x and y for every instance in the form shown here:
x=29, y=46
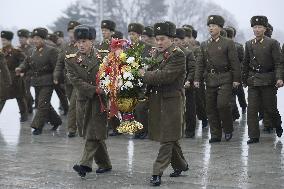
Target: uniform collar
x=255, y=40
x=215, y=40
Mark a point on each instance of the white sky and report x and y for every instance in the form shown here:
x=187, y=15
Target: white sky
x=33, y=13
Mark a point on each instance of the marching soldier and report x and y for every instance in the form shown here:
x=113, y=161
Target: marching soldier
x=166, y=81
x=59, y=88
x=263, y=74
x=13, y=57
x=148, y=36
x=5, y=78
x=117, y=35
x=41, y=63
x=221, y=66
x=240, y=90
x=23, y=35
x=190, y=108
x=82, y=68
x=193, y=45
x=60, y=74
x=60, y=41
x=135, y=31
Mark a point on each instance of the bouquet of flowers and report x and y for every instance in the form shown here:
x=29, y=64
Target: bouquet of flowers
x=118, y=77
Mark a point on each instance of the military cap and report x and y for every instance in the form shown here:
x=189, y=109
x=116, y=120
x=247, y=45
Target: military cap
x=108, y=24
x=188, y=32
x=223, y=33
x=180, y=33
x=234, y=29
x=7, y=35
x=259, y=20
x=23, y=33
x=84, y=32
x=269, y=30
x=194, y=33
x=188, y=26
x=149, y=31
x=72, y=24
x=40, y=32
x=59, y=33
x=269, y=26
x=117, y=35
x=136, y=27
x=216, y=19
x=52, y=37
x=165, y=28
x=230, y=32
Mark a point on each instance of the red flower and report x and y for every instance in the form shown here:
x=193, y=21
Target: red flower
x=166, y=55
x=117, y=44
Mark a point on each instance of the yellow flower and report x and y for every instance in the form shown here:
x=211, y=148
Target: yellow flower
x=135, y=65
x=122, y=57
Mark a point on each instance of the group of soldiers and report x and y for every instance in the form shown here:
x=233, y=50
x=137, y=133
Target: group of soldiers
x=190, y=80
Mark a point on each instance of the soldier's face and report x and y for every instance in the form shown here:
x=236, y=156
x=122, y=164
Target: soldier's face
x=163, y=42
x=38, y=41
x=214, y=30
x=23, y=40
x=71, y=35
x=106, y=33
x=259, y=30
x=5, y=42
x=145, y=38
x=85, y=45
x=133, y=36
x=30, y=41
x=178, y=41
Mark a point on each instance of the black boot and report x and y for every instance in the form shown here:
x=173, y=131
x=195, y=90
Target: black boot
x=24, y=117
x=279, y=131
x=71, y=134
x=37, y=131
x=228, y=136
x=55, y=127
x=177, y=172
x=155, y=180
x=82, y=170
x=253, y=140
x=204, y=123
x=214, y=140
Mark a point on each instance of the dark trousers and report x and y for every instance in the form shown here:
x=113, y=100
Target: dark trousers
x=190, y=111
x=267, y=96
x=169, y=153
x=218, y=106
x=45, y=112
x=21, y=104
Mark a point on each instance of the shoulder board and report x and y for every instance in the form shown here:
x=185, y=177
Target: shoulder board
x=70, y=55
x=103, y=51
x=175, y=49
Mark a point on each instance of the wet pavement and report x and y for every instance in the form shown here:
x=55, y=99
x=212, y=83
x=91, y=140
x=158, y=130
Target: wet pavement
x=45, y=161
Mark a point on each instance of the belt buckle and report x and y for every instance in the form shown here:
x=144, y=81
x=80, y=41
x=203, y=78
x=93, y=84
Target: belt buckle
x=212, y=71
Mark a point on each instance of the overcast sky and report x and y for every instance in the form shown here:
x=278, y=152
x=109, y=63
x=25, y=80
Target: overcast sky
x=33, y=13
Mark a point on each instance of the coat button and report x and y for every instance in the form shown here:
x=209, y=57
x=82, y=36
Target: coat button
x=89, y=73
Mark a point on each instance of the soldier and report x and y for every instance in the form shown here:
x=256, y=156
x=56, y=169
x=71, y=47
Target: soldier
x=60, y=41
x=5, y=78
x=221, y=66
x=117, y=35
x=166, y=81
x=59, y=88
x=193, y=45
x=135, y=31
x=13, y=57
x=41, y=63
x=23, y=35
x=148, y=36
x=190, y=108
x=240, y=50
x=240, y=90
x=107, y=28
x=263, y=74
x=59, y=74
x=82, y=68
